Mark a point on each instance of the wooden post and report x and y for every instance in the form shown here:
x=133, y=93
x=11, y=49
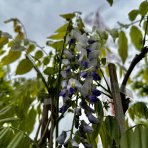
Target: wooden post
x=115, y=91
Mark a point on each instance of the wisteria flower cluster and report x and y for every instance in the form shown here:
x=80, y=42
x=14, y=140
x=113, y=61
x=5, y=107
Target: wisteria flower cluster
x=80, y=72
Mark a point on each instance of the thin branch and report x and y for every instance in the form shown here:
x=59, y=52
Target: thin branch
x=134, y=62
x=102, y=86
x=59, y=79
x=38, y=72
x=105, y=80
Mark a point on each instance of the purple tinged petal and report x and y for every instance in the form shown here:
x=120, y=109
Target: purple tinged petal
x=62, y=137
x=86, y=128
x=83, y=74
x=85, y=64
x=92, y=119
x=64, y=108
x=96, y=92
x=78, y=111
x=65, y=62
x=63, y=93
x=72, y=90
x=93, y=98
x=84, y=105
x=72, y=41
x=95, y=76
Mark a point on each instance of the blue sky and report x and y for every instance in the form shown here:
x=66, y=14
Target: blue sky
x=41, y=17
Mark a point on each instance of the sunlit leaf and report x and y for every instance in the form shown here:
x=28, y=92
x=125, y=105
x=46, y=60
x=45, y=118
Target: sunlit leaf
x=133, y=14
x=68, y=16
x=57, y=36
x=136, y=37
x=11, y=57
x=123, y=46
x=62, y=28
x=24, y=66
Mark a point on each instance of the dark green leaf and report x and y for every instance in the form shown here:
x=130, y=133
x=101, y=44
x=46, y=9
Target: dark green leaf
x=136, y=37
x=49, y=71
x=110, y=2
x=123, y=46
x=46, y=61
x=38, y=54
x=24, y=66
x=68, y=16
x=133, y=14
x=143, y=8
x=30, y=48
x=144, y=27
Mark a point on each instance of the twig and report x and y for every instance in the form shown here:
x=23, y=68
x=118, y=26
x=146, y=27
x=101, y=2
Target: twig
x=134, y=62
x=105, y=80
x=102, y=86
x=59, y=79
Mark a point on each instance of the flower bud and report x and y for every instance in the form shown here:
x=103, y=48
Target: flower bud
x=62, y=137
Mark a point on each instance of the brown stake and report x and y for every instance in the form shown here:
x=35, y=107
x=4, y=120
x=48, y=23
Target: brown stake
x=115, y=92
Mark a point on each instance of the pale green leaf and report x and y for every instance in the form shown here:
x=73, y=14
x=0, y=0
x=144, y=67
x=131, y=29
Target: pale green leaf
x=136, y=37
x=68, y=16
x=133, y=14
x=3, y=132
x=114, y=33
x=143, y=8
x=123, y=46
x=24, y=66
x=56, y=45
x=11, y=57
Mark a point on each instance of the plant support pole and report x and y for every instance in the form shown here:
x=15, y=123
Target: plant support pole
x=115, y=92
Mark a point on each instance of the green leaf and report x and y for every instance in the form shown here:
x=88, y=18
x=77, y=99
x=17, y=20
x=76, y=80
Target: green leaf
x=24, y=66
x=3, y=41
x=16, y=140
x=103, y=61
x=30, y=48
x=38, y=54
x=49, y=71
x=112, y=128
x=62, y=28
x=68, y=16
x=3, y=132
x=123, y=46
x=56, y=45
x=136, y=37
x=11, y=57
x=139, y=110
x=143, y=8
x=133, y=14
x=114, y=33
x=5, y=110
x=46, y=60
x=110, y=2
x=57, y=36
x=144, y=27
x=10, y=119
